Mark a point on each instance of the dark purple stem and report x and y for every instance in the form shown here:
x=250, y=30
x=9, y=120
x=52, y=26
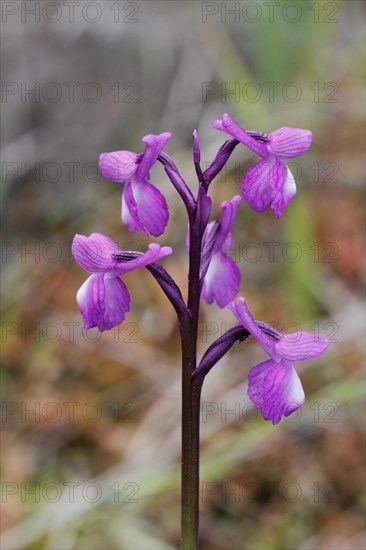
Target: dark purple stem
x=191, y=395
x=193, y=376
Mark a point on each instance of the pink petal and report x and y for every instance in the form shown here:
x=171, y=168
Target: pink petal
x=256, y=188
x=94, y=253
x=263, y=182
x=229, y=211
x=229, y=126
x=154, y=146
x=289, y=142
x=90, y=299
x=103, y=302
x=153, y=254
x=275, y=389
x=300, y=346
x=285, y=193
x=117, y=303
x=218, y=125
x=118, y=165
x=222, y=280
x=129, y=212
x=151, y=207
x=241, y=311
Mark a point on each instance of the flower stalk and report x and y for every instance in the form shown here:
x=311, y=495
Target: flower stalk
x=191, y=400
x=191, y=393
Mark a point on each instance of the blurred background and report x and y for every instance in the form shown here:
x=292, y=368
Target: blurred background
x=91, y=422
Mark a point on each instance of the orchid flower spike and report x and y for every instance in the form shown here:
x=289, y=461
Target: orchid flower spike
x=221, y=275
x=274, y=386
x=269, y=181
x=144, y=208
x=103, y=299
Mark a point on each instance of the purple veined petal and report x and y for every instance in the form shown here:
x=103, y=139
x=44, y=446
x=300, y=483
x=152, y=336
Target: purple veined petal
x=258, y=184
x=256, y=377
x=241, y=311
x=229, y=211
x=222, y=280
x=153, y=254
x=129, y=212
x=277, y=176
x=117, y=303
x=288, y=143
x=151, y=212
x=154, y=145
x=299, y=346
x=275, y=389
x=284, y=194
x=94, y=253
x=229, y=126
x=118, y=165
x=90, y=299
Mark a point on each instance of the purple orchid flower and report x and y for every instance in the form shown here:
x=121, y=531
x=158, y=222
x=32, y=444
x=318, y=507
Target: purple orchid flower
x=221, y=275
x=274, y=386
x=144, y=208
x=269, y=181
x=103, y=299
